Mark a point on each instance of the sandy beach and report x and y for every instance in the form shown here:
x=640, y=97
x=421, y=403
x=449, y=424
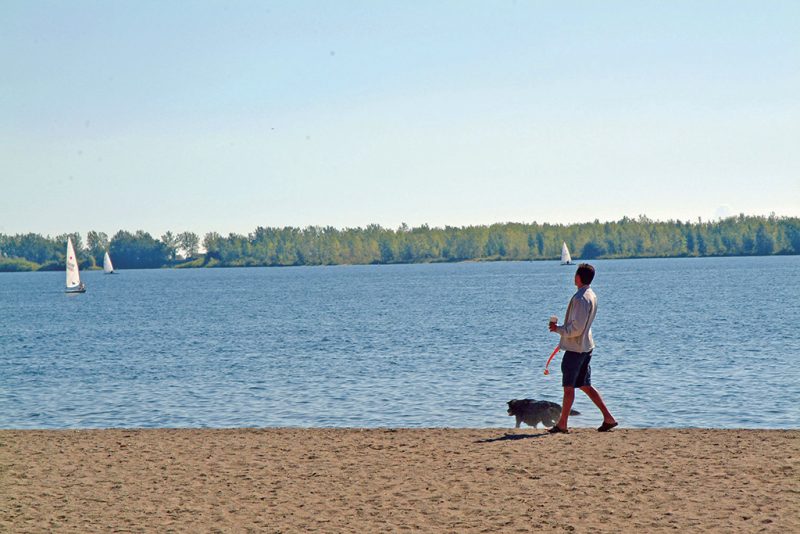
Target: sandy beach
x=387, y=480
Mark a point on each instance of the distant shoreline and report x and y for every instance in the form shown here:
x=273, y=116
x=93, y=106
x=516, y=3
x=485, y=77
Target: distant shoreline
x=314, y=245
x=575, y=262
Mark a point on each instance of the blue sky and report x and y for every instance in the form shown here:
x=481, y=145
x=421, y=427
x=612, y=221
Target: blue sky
x=230, y=115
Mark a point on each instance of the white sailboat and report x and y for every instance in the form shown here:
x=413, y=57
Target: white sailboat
x=565, y=257
x=74, y=284
x=108, y=267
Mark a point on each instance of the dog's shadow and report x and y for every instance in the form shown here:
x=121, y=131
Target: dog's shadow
x=512, y=437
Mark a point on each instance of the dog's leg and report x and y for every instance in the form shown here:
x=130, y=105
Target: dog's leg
x=519, y=420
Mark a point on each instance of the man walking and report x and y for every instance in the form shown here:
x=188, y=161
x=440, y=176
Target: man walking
x=577, y=342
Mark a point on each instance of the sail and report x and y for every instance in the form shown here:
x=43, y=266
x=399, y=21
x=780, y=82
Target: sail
x=108, y=267
x=565, y=258
x=73, y=276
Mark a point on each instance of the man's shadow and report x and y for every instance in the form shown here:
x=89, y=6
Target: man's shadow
x=512, y=437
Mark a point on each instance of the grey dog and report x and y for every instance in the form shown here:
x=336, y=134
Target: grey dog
x=532, y=412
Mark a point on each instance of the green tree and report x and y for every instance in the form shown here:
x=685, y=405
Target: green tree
x=387, y=245
x=592, y=250
x=496, y=243
x=171, y=243
x=96, y=245
x=34, y=248
x=77, y=241
x=793, y=236
x=137, y=251
x=211, y=242
x=765, y=243
x=190, y=243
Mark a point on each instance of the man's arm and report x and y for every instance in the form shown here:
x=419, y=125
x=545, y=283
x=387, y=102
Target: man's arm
x=576, y=324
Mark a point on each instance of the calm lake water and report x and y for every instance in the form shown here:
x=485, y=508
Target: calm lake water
x=680, y=343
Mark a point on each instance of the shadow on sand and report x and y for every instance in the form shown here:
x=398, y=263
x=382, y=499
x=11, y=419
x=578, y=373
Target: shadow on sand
x=512, y=437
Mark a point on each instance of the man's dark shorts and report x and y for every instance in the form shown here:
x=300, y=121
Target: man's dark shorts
x=575, y=369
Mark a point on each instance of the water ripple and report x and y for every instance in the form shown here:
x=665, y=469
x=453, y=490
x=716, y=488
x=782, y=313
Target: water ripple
x=681, y=343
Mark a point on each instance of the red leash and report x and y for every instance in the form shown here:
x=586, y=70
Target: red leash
x=550, y=359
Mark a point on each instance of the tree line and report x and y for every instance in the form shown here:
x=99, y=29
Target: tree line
x=139, y=250
x=626, y=238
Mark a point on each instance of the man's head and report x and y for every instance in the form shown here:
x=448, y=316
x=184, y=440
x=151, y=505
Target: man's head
x=584, y=275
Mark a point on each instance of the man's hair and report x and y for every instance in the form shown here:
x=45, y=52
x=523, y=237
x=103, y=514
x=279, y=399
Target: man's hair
x=586, y=272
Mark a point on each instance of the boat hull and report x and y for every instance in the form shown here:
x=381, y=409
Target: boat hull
x=80, y=288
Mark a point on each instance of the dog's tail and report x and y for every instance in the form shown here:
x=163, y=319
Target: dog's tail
x=574, y=412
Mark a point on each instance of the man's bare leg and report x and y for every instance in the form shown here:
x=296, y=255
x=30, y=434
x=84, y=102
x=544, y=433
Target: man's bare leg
x=598, y=401
x=566, y=406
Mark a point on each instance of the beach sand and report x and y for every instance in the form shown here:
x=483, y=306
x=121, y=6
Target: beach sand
x=385, y=480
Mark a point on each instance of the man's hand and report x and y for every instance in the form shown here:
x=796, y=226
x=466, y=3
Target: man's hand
x=552, y=326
